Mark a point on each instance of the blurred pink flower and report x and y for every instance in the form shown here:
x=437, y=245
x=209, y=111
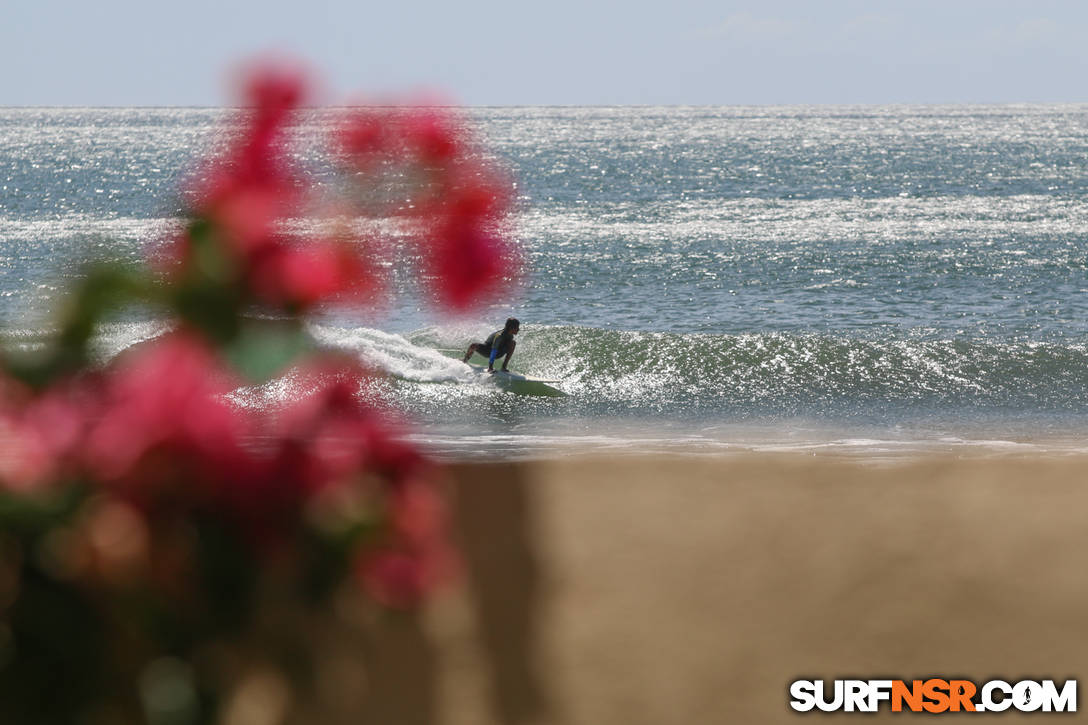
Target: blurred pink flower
x=41, y=432
x=327, y=434
x=164, y=421
x=155, y=429
x=470, y=257
x=460, y=205
x=415, y=555
x=273, y=90
x=434, y=136
x=297, y=277
x=465, y=263
x=365, y=134
x=250, y=188
x=396, y=579
x=328, y=439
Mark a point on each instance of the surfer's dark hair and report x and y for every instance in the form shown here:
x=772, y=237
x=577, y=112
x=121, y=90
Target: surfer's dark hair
x=511, y=323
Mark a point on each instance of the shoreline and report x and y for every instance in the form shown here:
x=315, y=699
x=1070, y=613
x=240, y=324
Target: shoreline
x=854, y=446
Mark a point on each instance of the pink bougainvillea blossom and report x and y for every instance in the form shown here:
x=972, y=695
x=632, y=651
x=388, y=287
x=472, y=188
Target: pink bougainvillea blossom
x=364, y=135
x=163, y=417
x=326, y=434
x=434, y=136
x=414, y=556
x=460, y=208
x=153, y=439
x=298, y=277
x=41, y=432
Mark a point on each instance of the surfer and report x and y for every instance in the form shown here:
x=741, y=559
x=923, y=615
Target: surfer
x=498, y=343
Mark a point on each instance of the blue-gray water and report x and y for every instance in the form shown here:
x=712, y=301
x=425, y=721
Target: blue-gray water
x=869, y=277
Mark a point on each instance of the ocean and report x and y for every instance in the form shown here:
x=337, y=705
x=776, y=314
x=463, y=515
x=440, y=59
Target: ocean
x=874, y=281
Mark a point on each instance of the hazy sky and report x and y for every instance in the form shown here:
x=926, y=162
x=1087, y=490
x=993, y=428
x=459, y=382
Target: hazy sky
x=143, y=52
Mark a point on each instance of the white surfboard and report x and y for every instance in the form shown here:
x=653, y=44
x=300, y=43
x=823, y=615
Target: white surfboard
x=518, y=383
x=510, y=380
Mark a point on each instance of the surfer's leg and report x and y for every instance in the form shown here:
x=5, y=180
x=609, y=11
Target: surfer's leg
x=471, y=349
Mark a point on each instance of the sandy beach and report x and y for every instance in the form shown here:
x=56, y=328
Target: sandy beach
x=693, y=590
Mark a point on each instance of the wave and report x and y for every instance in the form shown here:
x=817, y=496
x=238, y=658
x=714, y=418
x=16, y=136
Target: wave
x=617, y=372
x=624, y=373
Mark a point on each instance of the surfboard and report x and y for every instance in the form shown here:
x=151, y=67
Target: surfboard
x=518, y=383
x=510, y=380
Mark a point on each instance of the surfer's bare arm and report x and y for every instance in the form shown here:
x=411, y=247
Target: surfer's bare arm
x=509, y=353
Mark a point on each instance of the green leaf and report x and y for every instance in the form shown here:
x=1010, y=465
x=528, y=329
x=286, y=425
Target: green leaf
x=264, y=348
